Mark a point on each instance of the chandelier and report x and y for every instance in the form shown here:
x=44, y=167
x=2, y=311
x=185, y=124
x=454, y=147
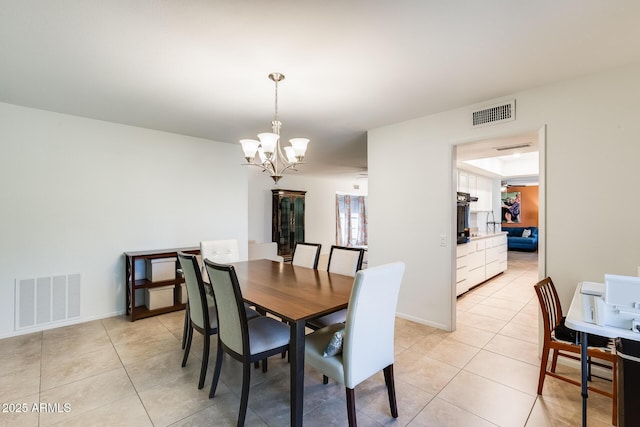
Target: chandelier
x=271, y=157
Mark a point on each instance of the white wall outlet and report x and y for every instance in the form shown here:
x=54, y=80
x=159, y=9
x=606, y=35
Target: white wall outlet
x=443, y=241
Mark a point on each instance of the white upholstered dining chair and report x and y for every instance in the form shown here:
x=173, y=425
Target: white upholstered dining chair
x=367, y=335
x=220, y=251
x=345, y=260
x=306, y=254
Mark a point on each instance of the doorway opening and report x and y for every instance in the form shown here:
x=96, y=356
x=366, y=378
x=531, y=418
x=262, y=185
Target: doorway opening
x=506, y=175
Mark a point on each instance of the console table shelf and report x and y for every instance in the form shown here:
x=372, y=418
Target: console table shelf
x=133, y=284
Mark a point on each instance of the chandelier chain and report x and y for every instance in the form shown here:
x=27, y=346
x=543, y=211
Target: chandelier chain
x=276, y=119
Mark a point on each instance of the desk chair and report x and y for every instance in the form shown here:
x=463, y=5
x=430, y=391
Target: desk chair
x=248, y=341
x=346, y=261
x=306, y=254
x=552, y=320
x=368, y=335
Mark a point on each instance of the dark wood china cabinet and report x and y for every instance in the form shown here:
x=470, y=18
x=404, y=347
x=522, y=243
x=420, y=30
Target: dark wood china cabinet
x=287, y=220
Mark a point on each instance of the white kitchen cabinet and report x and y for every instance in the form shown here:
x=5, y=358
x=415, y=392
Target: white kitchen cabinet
x=496, y=255
x=473, y=185
x=476, y=262
x=479, y=260
x=484, y=194
x=463, y=181
x=473, y=191
x=477, y=186
x=461, y=269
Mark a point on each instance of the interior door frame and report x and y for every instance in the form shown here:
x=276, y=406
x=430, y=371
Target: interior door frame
x=542, y=207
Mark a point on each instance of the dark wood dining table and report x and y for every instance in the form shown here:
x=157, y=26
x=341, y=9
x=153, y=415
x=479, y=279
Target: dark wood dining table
x=294, y=294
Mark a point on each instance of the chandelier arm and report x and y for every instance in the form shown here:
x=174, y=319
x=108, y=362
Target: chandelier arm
x=258, y=165
x=291, y=166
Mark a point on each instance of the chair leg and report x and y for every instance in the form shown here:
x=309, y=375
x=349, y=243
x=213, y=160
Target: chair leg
x=554, y=360
x=614, y=391
x=187, y=346
x=244, y=398
x=216, y=371
x=264, y=365
x=205, y=360
x=186, y=326
x=543, y=368
x=351, y=407
x=391, y=390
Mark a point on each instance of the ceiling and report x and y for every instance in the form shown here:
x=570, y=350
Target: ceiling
x=199, y=67
x=513, y=159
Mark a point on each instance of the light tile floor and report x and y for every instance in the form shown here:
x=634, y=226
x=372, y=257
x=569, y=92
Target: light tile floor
x=114, y=372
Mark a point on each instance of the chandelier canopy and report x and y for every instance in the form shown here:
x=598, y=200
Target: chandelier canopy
x=271, y=157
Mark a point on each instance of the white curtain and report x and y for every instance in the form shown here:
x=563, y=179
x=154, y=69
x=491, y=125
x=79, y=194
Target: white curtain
x=351, y=220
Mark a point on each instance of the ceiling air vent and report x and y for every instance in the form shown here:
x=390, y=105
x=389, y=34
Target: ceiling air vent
x=513, y=147
x=493, y=114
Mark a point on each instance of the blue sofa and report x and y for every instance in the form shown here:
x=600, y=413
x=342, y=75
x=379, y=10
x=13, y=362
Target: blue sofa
x=515, y=241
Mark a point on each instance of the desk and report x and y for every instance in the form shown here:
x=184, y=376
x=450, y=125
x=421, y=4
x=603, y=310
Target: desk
x=294, y=294
x=575, y=321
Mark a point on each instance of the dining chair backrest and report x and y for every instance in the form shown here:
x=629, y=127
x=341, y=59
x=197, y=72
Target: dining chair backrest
x=232, y=318
x=220, y=251
x=198, y=306
x=345, y=260
x=369, y=329
x=306, y=254
x=549, y=305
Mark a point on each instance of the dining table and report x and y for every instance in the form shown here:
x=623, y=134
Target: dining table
x=295, y=294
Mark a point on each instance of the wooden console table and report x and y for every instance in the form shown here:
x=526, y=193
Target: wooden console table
x=132, y=285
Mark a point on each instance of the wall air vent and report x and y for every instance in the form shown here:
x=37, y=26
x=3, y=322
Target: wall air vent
x=45, y=301
x=493, y=114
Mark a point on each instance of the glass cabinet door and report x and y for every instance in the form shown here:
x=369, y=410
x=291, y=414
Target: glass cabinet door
x=287, y=220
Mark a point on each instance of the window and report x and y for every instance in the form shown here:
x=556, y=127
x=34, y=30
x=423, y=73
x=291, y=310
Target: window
x=351, y=220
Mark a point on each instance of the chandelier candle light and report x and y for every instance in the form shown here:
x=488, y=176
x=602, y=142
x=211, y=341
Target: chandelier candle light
x=271, y=157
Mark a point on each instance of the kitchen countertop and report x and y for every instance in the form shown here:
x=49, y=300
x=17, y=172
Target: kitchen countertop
x=486, y=235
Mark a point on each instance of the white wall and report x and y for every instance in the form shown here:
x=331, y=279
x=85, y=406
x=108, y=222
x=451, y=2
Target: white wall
x=76, y=193
x=592, y=178
x=320, y=203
